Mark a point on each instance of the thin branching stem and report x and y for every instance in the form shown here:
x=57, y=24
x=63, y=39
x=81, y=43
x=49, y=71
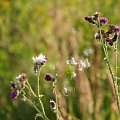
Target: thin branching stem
x=56, y=99
x=44, y=114
x=33, y=105
x=114, y=78
x=30, y=88
x=29, y=101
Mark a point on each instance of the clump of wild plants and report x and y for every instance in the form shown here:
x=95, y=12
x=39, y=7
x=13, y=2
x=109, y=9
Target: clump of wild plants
x=107, y=35
x=22, y=85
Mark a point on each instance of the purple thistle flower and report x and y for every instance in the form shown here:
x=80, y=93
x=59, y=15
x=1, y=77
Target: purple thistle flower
x=107, y=39
x=45, y=59
x=14, y=94
x=13, y=85
x=52, y=103
x=103, y=21
x=105, y=35
x=48, y=77
x=90, y=19
x=87, y=18
x=111, y=29
x=117, y=29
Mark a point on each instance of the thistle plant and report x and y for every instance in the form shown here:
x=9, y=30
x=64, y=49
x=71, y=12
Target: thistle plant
x=107, y=35
x=21, y=88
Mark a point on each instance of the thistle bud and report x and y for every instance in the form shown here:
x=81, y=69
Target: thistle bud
x=107, y=39
x=96, y=14
x=48, y=77
x=90, y=19
x=111, y=29
x=14, y=94
x=115, y=37
x=52, y=104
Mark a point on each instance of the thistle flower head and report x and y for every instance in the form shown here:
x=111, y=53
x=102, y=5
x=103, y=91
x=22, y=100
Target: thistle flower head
x=90, y=19
x=111, y=29
x=48, y=77
x=107, y=39
x=39, y=61
x=117, y=29
x=96, y=14
x=14, y=94
x=52, y=103
x=106, y=34
x=103, y=21
x=22, y=79
x=13, y=85
x=87, y=18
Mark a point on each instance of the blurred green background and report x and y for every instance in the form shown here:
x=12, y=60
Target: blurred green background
x=57, y=29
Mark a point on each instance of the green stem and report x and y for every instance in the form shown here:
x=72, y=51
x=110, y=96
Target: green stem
x=109, y=67
x=57, y=116
x=44, y=114
x=29, y=87
x=111, y=72
x=116, y=80
x=38, y=80
x=116, y=58
x=33, y=105
x=56, y=99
